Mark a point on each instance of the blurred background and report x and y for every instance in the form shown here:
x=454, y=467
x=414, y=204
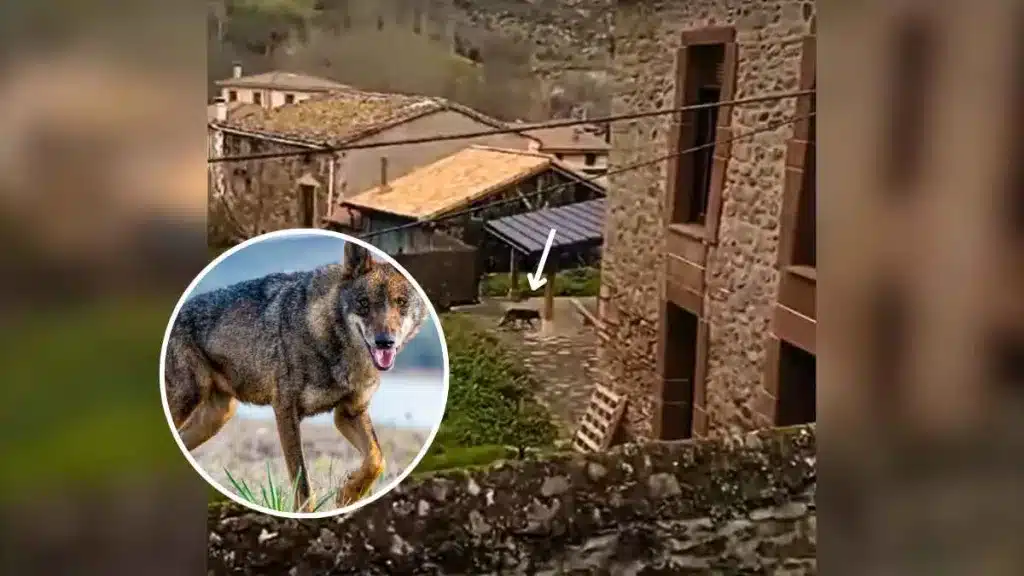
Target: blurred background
x=102, y=206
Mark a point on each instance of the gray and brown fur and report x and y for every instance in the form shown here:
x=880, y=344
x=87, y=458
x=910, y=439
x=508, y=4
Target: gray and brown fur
x=519, y=316
x=297, y=342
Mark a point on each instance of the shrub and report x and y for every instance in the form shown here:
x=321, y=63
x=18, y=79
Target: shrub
x=577, y=282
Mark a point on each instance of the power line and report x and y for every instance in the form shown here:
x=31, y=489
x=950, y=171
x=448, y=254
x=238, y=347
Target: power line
x=559, y=187
x=510, y=130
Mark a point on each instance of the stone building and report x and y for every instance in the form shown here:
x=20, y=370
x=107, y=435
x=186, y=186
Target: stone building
x=708, y=294
x=256, y=196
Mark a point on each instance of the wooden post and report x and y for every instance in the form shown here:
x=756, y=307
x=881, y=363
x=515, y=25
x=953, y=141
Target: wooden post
x=549, y=296
x=513, y=275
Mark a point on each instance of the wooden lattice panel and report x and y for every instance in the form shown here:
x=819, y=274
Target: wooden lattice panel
x=598, y=424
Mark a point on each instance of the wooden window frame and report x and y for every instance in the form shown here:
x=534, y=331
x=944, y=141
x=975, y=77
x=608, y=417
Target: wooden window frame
x=796, y=160
x=680, y=170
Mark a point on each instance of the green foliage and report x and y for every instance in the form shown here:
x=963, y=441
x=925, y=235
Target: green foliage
x=489, y=398
x=577, y=282
x=464, y=457
x=271, y=495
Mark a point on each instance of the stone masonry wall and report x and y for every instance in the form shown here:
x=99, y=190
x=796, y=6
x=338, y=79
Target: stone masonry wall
x=741, y=278
x=743, y=505
x=252, y=197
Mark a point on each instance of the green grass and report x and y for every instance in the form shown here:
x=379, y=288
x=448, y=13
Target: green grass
x=577, y=282
x=270, y=495
x=490, y=403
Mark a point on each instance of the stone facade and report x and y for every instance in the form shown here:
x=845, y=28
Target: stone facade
x=740, y=277
x=745, y=505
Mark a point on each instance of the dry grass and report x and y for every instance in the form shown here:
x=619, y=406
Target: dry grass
x=245, y=447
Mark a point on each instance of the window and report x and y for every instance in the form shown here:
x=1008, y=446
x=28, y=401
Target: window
x=590, y=159
x=679, y=372
x=805, y=247
x=289, y=98
x=560, y=156
x=797, y=386
x=705, y=74
x=232, y=95
x=257, y=98
x=307, y=206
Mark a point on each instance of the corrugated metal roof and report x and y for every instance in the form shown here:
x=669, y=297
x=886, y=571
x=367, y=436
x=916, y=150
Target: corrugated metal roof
x=574, y=224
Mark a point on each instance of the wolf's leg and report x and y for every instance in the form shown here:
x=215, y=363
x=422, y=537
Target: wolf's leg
x=207, y=419
x=291, y=444
x=358, y=429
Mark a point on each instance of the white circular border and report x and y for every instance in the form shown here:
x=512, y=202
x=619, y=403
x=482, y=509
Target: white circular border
x=209, y=479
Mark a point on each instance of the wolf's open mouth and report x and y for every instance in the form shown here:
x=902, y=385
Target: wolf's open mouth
x=383, y=358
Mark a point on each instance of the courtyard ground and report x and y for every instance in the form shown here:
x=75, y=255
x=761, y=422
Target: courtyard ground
x=561, y=355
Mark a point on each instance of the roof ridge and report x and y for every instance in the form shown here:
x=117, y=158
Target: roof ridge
x=516, y=151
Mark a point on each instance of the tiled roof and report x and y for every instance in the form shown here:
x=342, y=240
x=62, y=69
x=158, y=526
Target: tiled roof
x=281, y=80
x=567, y=138
x=235, y=110
x=335, y=117
x=453, y=182
x=346, y=115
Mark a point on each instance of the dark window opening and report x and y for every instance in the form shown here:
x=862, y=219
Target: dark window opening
x=1006, y=362
x=307, y=206
x=680, y=351
x=590, y=159
x=257, y=98
x=797, y=386
x=232, y=95
x=910, y=76
x=380, y=23
x=560, y=156
x=702, y=82
x=289, y=98
x=805, y=247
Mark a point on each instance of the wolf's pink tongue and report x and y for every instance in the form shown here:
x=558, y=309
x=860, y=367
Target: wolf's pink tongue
x=384, y=358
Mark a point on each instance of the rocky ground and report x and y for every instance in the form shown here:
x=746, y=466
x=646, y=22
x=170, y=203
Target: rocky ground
x=245, y=446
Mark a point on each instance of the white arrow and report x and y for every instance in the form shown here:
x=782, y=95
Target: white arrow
x=537, y=279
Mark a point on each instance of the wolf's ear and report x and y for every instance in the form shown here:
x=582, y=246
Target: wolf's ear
x=358, y=260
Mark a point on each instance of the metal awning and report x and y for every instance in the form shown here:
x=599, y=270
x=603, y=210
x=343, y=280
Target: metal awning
x=576, y=225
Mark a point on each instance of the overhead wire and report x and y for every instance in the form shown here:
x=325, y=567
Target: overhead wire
x=511, y=129
x=592, y=180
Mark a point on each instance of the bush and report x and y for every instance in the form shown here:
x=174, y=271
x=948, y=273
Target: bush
x=577, y=282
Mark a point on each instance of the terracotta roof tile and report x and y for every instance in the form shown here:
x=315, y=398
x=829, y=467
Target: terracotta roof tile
x=453, y=182
x=335, y=117
x=281, y=80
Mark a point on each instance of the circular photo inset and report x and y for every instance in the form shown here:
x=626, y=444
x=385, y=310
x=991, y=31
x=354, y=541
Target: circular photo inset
x=304, y=373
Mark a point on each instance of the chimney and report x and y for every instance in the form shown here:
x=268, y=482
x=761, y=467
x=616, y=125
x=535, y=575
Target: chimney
x=221, y=108
x=383, y=173
x=236, y=70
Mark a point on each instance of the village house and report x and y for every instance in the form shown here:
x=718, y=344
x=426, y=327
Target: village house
x=273, y=89
x=577, y=147
x=520, y=180
x=255, y=196
x=709, y=260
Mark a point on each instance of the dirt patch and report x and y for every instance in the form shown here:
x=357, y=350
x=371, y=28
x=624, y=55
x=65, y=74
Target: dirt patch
x=245, y=447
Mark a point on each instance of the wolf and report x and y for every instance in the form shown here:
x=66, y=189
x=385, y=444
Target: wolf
x=303, y=343
x=520, y=315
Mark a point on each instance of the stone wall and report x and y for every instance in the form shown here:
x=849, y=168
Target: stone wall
x=252, y=197
x=741, y=505
x=741, y=279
